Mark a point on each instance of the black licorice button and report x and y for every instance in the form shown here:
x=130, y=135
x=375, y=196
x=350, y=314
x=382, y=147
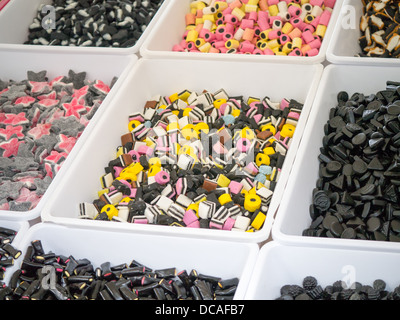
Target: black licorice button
x=359, y=167
x=348, y=233
x=374, y=224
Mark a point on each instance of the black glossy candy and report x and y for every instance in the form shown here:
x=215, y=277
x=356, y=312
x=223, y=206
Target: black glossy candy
x=77, y=279
x=357, y=193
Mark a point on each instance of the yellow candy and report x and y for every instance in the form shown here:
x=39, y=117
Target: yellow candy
x=174, y=97
x=192, y=36
x=261, y=159
x=136, y=168
x=269, y=150
x=155, y=162
x=247, y=133
x=110, y=210
x=236, y=113
x=189, y=132
x=252, y=202
x=125, y=200
x=186, y=112
x=219, y=102
x=153, y=170
x=223, y=181
x=133, y=124
x=201, y=127
x=184, y=95
x=173, y=126
x=287, y=130
x=224, y=198
x=194, y=207
x=269, y=127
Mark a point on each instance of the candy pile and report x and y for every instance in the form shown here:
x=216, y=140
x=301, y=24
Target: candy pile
x=262, y=27
x=357, y=194
x=205, y=160
x=311, y=290
x=40, y=122
x=79, y=279
x=7, y=252
x=93, y=23
x=379, y=27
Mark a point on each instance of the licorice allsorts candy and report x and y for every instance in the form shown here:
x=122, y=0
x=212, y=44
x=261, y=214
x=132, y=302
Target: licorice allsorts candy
x=189, y=169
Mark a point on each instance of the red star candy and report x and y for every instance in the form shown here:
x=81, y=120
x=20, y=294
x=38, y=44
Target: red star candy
x=10, y=147
x=25, y=101
x=11, y=130
x=74, y=108
x=55, y=157
x=2, y=91
x=48, y=103
x=39, y=87
x=102, y=87
x=56, y=80
x=66, y=143
x=39, y=131
x=51, y=95
x=81, y=93
x=15, y=119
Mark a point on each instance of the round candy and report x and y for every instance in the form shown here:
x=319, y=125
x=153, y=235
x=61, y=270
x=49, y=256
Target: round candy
x=153, y=170
x=110, y=210
x=287, y=130
x=252, y=202
x=162, y=177
x=243, y=144
x=261, y=159
x=133, y=124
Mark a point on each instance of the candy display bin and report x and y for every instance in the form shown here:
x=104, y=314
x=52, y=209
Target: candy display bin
x=151, y=77
x=343, y=47
x=293, y=215
x=209, y=257
x=279, y=265
x=15, y=65
x=171, y=26
x=18, y=15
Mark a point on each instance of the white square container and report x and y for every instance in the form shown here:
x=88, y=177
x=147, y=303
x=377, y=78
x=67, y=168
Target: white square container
x=15, y=65
x=210, y=257
x=278, y=265
x=344, y=46
x=152, y=77
x=293, y=214
x=18, y=15
x=171, y=26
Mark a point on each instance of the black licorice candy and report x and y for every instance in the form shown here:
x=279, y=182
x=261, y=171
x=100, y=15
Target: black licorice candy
x=133, y=281
x=358, y=191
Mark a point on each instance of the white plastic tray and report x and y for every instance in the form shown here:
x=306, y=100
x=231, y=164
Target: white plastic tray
x=15, y=64
x=18, y=15
x=278, y=265
x=210, y=257
x=344, y=42
x=151, y=77
x=171, y=26
x=293, y=214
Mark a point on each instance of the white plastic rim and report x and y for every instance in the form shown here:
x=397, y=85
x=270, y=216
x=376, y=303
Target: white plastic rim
x=15, y=65
x=293, y=214
x=344, y=46
x=17, y=16
x=278, y=265
x=216, y=258
x=151, y=77
x=171, y=26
